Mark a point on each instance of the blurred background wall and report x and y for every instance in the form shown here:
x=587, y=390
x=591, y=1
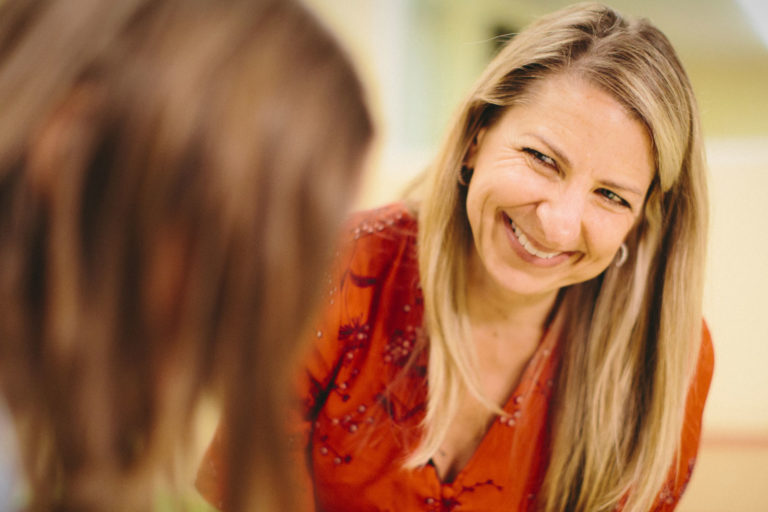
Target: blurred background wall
x=419, y=57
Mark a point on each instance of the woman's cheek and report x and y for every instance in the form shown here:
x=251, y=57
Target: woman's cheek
x=520, y=187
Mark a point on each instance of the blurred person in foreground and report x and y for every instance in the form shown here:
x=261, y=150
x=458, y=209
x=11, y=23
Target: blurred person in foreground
x=528, y=335
x=172, y=177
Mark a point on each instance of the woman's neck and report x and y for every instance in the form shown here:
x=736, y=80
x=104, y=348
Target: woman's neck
x=491, y=305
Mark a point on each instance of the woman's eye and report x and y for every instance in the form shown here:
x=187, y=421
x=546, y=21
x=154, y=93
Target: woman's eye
x=613, y=197
x=541, y=157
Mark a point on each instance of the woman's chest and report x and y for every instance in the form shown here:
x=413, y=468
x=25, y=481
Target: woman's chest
x=367, y=427
x=499, y=380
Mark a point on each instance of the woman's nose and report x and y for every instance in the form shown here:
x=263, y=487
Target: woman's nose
x=561, y=216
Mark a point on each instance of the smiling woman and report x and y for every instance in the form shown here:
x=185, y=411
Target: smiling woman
x=528, y=334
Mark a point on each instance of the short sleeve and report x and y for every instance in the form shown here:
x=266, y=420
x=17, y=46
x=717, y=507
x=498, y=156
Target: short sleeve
x=372, y=241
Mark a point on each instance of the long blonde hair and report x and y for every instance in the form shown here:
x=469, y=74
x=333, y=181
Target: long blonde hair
x=633, y=333
x=172, y=175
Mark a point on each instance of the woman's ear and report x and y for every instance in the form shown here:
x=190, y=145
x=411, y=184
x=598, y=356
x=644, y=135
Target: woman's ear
x=471, y=156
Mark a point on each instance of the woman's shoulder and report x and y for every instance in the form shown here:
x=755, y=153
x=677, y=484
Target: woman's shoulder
x=698, y=390
x=707, y=351
x=393, y=219
x=705, y=366
x=372, y=240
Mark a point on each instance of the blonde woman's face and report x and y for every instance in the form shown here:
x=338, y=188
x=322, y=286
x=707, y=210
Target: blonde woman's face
x=558, y=183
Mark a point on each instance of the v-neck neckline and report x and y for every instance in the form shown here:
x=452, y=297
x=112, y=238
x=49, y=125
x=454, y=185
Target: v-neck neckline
x=516, y=401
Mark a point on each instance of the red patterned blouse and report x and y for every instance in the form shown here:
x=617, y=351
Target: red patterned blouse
x=365, y=388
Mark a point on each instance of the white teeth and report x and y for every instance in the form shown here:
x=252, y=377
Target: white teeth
x=528, y=246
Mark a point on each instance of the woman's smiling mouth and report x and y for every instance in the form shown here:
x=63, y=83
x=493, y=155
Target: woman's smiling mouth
x=525, y=248
x=528, y=246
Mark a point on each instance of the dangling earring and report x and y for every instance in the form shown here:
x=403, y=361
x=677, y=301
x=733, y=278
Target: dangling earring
x=623, y=255
x=465, y=175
